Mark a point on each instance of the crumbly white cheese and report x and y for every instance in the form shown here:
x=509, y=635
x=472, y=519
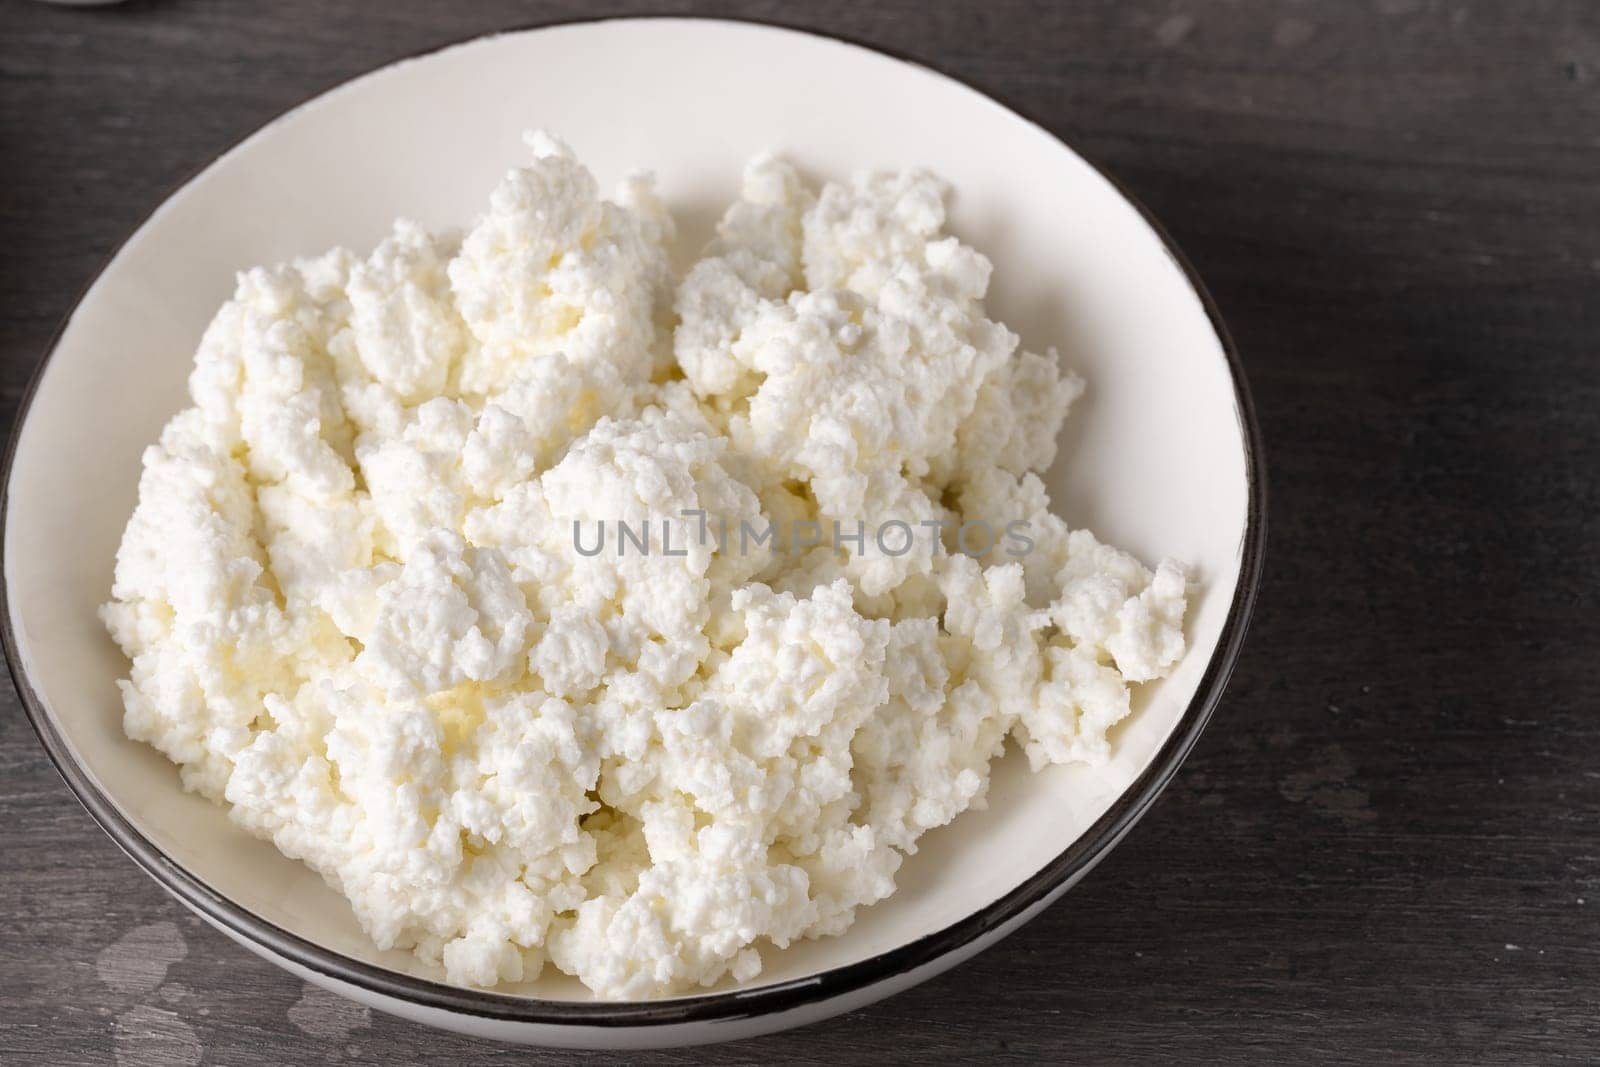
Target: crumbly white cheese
x=358, y=615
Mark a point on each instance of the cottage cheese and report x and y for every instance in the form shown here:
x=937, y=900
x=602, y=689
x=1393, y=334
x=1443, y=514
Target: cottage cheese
x=358, y=617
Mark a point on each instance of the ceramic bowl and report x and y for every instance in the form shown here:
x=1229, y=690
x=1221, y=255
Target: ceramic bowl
x=1162, y=450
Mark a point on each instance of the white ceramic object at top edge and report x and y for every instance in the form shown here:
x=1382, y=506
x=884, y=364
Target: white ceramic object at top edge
x=1156, y=455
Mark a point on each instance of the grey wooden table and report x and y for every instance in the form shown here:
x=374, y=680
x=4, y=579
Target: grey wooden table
x=1386, y=845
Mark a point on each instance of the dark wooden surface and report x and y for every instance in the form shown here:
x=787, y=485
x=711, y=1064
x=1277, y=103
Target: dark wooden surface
x=1387, y=844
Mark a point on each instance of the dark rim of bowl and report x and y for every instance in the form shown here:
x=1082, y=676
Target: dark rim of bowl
x=729, y=1005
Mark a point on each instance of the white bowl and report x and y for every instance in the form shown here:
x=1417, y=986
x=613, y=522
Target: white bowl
x=1162, y=460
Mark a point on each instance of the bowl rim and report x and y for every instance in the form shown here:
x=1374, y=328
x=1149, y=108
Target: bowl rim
x=727, y=1005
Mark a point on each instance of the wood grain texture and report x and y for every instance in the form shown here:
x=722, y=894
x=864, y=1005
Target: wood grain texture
x=1386, y=844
